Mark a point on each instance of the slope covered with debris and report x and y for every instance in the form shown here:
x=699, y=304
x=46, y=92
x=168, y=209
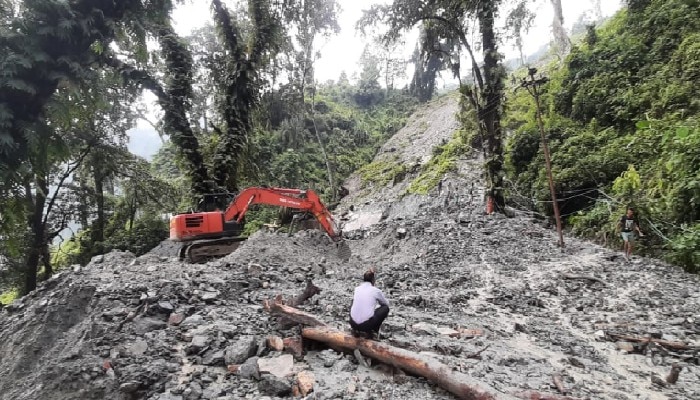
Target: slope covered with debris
x=490, y=296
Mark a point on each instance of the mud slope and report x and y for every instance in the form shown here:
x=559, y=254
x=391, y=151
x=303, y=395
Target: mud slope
x=154, y=328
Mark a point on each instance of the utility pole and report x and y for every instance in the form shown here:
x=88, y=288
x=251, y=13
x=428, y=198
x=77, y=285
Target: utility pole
x=532, y=86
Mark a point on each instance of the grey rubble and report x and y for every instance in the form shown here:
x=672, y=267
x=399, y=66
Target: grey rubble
x=154, y=328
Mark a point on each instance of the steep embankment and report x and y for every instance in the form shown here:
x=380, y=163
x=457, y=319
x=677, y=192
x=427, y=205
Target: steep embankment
x=153, y=328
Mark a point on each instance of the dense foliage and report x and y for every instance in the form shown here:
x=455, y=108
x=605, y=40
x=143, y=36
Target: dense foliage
x=624, y=130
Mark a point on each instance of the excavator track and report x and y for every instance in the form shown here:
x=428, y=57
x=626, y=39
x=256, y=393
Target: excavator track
x=204, y=250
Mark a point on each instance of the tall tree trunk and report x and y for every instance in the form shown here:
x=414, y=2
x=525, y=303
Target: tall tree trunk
x=490, y=110
x=329, y=170
x=173, y=99
x=243, y=63
x=519, y=43
x=98, y=227
x=35, y=220
x=597, y=10
x=83, y=206
x=175, y=103
x=561, y=39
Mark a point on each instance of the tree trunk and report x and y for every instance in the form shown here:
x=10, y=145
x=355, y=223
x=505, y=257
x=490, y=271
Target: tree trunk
x=35, y=220
x=175, y=103
x=457, y=383
x=561, y=39
x=84, y=205
x=173, y=100
x=490, y=110
x=132, y=210
x=98, y=227
x=519, y=43
x=240, y=95
x=329, y=171
x=597, y=11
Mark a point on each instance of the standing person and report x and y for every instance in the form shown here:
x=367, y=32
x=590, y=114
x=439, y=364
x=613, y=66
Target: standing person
x=364, y=318
x=628, y=224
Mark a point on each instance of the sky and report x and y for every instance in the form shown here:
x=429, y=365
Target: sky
x=342, y=52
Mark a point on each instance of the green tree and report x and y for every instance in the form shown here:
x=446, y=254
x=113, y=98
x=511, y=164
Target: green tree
x=519, y=21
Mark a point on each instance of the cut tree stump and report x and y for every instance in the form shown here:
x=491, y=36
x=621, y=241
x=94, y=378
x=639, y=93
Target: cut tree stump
x=461, y=385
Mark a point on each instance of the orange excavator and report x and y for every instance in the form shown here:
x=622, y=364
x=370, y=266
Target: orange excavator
x=210, y=234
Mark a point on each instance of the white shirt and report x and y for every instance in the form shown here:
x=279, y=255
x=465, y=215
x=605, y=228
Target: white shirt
x=365, y=300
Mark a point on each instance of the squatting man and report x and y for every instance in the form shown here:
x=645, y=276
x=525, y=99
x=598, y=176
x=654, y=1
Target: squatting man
x=365, y=317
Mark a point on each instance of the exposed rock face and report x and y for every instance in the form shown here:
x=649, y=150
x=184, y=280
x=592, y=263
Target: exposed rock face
x=153, y=328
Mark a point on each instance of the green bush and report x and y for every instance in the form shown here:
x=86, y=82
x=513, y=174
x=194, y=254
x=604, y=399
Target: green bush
x=443, y=161
x=685, y=248
x=621, y=117
x=381, y=173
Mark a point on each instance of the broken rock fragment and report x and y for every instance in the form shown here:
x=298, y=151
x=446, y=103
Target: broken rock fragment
x=275, y=343
x=294, y=347
x=275, y=386
x=175, y=319
x=241, y=350
x=249, y=369
x=305, y=382
x=148, y=324
x=278, y=366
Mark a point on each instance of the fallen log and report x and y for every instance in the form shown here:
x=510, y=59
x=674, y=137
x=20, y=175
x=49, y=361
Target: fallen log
x=461, y=385
x=276, y=307
x=310, y=291
x=680, y=346
x=533, y=395
x=585, y=278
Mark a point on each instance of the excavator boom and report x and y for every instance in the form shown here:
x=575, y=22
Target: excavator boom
x=215, y=233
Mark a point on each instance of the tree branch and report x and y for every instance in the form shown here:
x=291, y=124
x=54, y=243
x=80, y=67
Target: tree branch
x=65, y=176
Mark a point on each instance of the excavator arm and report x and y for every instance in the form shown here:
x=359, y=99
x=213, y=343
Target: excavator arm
x=305, y=200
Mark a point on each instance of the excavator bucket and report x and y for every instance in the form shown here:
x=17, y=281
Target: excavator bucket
x=344, y=251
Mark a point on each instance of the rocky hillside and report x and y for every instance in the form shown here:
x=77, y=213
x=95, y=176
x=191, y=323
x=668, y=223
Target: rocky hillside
x=490, y=296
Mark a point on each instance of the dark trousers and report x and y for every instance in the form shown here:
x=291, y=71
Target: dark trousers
x=374, y=323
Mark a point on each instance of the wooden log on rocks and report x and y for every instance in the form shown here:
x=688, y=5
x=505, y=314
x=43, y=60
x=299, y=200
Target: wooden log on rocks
x=534, y=395
x=310, y=291
x=585, y=278
x=678, y=346
x=461, y=385
x=276, y=307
